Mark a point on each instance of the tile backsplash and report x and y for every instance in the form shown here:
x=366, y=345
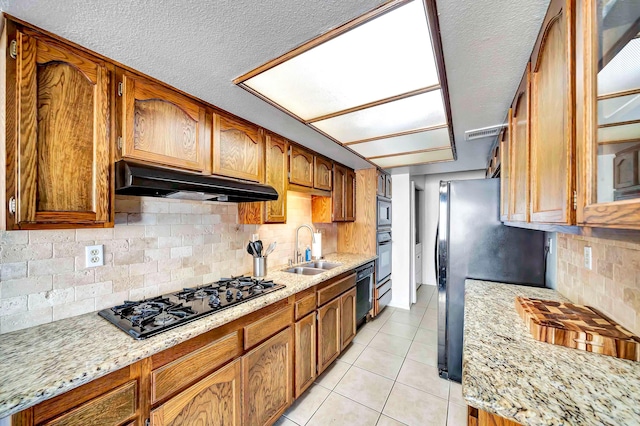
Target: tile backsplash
x=157, y=246
x=611, y=286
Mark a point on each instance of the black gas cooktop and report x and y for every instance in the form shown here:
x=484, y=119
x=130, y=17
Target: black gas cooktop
x=152, y=316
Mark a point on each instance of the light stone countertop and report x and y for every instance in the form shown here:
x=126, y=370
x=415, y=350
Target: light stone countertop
x=41, y=362
x=506, y=371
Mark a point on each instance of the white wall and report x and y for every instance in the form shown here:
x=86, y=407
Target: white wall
x=401, y=236
x=431, y=206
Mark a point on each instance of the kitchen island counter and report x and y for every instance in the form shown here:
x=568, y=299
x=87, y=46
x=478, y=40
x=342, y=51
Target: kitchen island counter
x=41, y=362
x=509, y=373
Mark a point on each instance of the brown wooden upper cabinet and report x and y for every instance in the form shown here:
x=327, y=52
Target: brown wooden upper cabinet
x=59, y=173
x=161, y=126
x=301, y=166
x=276, y=176
x=338, y=195
x=238, y=149
x=552, y=117
x=608, y=121
x=350, y=196
x=519, y=165
x=322, y=169
x=505, y=140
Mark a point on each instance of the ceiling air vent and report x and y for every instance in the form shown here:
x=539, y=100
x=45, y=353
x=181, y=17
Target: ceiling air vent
x=485, y=132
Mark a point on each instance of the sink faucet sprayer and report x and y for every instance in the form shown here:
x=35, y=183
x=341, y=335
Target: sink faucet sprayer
x=296, y=253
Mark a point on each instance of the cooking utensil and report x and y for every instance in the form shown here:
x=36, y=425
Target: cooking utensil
x=251, y=250
x=258, y=246
x=270, y=249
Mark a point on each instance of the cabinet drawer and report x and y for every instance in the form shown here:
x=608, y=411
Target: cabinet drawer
x=384, y=300
x=176, y=375
x=305, y=305
x=386, y=286
x=268, y=326
x=111, y=408
x=335, y=289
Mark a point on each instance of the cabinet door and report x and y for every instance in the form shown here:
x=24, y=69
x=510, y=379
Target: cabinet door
x=305, y=341
x=519, y=167
x=322, y=173
x=214, y=400
x=237, y=149
x=337, y=196
x=63, y=164
x=382, y=179
x=301, y=167
x=347, y=318
x=276, y=176
x=608, y=121
x=328, y=334
x=162, y=126
x=505, y=169
x=552, y=118
x=350, y=196
x=387, y=186
x=268, y=379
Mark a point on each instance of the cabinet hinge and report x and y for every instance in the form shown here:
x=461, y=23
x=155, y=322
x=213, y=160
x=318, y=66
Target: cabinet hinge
x=13, y=49
x=289, y=175
x=12, y=205
x=120, y=143
x=120, y=88
x=575, y=200
x=147, y=422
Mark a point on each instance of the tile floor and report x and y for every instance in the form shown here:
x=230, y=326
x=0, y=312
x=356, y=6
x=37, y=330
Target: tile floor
x=387, y=376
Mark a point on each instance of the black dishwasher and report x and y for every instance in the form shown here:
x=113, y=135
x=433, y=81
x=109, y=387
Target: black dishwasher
x=364, y=291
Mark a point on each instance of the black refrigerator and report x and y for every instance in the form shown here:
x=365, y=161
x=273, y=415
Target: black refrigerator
x=471, y=242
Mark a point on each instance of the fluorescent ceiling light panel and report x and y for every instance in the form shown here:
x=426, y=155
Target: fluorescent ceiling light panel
x=375, y=77
x=430, y=139
x=385, y=57
x=417, y=158
x=414, y=112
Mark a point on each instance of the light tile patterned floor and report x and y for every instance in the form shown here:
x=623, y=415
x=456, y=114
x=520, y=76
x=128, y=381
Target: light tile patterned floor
x=386, y=377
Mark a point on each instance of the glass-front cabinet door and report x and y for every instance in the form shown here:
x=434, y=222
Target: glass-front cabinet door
x=608, y=112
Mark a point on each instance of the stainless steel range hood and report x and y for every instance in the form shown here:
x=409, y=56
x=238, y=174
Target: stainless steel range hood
x=135, y=179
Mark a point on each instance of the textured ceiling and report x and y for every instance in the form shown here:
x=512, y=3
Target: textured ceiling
x=200, y=47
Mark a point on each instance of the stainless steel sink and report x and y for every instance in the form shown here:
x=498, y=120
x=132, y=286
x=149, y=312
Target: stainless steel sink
x=304, y=271
x=321, y=264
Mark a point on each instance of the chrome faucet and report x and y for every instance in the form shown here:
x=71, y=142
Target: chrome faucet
x=296, y=253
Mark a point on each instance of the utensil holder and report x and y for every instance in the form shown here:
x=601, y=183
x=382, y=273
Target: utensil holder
x=259, y=266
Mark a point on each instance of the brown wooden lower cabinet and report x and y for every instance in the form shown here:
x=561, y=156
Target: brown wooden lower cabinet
x=305, y=353
x=328, y=334
x=478, y=417
x=347, y=318
x=268, y=380
x=214, y=400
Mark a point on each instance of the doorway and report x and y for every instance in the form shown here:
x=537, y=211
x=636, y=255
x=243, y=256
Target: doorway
x=417, y=224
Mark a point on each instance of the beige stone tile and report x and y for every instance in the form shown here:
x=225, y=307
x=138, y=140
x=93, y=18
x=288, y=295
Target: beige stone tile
x=26, y=286
x=73, y=309
x=338, y=410
x=400, y=330
x=374, y=324
x=417, y=310
x=14, y=237
x=12, y=271
x=94, y=290
x=94, y=234
x=415, y=408
x=13, y=305
x=388, y=421
x=379, y=362
x=52, y=236
x=364, y=387
x=51, y=266
x=406, y=317
x=455, y=394
x=352, y=353
x=51, y=298
x=427, y=337
x=457, y=415
x=429, y=322
x=423, y=377
x=364, y=336
x=21, y=252
x=425, y=354
x=25, y=320
x=332, y=375
x=305, y=406
x=391, y=344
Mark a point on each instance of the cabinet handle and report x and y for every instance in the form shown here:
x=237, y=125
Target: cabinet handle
x=12, y=205
x=120, y=88
x=13, y=49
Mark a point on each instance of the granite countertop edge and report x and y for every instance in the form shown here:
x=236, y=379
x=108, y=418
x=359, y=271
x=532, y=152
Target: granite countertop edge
x=42, y=362
x=509, y=373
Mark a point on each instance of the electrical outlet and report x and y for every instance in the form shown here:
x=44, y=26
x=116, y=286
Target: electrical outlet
x=94, y=256
x=587, y=258
x=550, y=245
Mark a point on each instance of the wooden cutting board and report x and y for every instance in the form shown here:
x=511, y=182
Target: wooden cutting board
x=577, y=326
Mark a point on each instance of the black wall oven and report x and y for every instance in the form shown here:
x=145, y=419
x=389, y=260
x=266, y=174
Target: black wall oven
x=384, y=213
x=383, y=265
